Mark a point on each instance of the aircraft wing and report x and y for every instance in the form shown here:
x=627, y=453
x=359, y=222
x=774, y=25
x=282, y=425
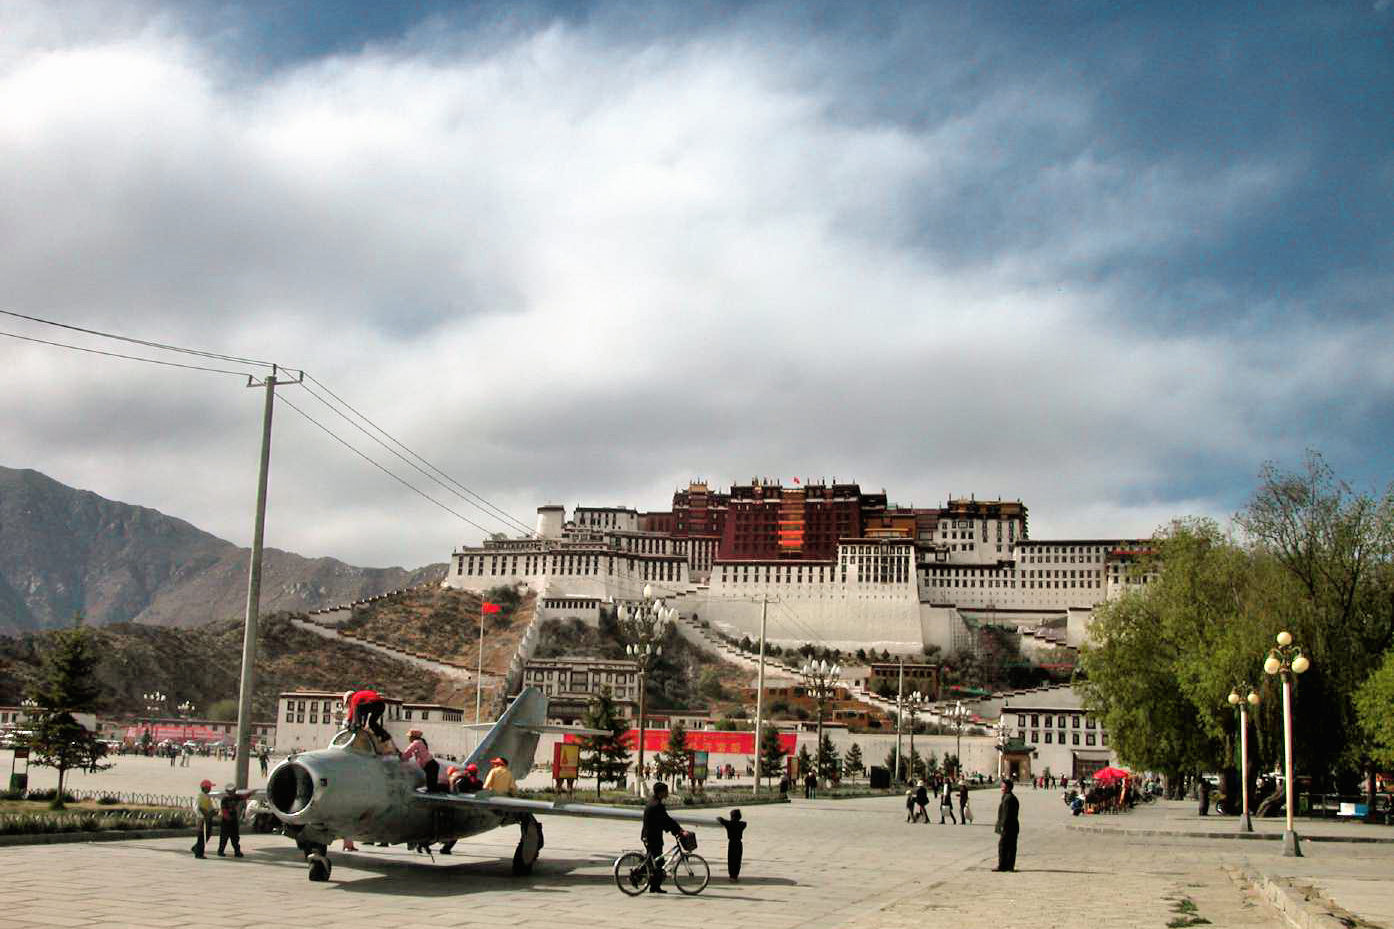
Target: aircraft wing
x=503, y=804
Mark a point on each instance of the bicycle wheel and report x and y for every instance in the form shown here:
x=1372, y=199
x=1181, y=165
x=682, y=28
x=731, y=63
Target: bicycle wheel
x=691, y=873
x=632, y=873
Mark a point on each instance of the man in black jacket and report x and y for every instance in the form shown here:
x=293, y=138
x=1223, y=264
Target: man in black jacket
x=656, y=822
x=1008, y=827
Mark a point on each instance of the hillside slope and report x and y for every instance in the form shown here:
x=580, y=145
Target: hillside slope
x=66, y=551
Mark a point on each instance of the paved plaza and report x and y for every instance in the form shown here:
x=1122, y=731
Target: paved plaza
x=809, y=864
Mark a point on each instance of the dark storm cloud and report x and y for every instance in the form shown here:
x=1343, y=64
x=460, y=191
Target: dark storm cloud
x=1105, y=262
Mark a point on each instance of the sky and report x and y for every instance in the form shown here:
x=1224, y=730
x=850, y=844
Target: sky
x=1108, y=259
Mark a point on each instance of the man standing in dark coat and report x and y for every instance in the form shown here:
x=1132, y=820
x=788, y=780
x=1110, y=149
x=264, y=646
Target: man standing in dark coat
x=656, y=822
x=1204, y=797
x=1008, y=827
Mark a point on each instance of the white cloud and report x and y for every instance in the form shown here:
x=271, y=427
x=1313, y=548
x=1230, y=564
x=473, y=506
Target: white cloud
x=574, y=272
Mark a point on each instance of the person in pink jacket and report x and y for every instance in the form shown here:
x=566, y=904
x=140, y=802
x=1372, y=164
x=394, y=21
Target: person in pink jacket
x=419, y=752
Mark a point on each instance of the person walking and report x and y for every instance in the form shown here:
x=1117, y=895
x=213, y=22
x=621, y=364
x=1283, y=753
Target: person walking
x=264, y=758
x=965, y=815
x=735, y=847
x=1008, y=826
x=946, y=802
x=1204, y=790
x=230, y=820
x=656, y=822
x=205, y=811
x=921, y=802
x=910, y=804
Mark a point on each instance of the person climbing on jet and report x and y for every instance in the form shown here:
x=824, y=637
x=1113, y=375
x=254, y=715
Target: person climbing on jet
x=363, y=709
x=419, y=752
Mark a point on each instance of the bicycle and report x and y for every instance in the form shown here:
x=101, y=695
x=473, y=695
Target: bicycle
x=687, y=869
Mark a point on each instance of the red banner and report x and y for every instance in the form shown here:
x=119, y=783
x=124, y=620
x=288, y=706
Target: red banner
x=487, y=607
x=704, y=740
x=166, y=733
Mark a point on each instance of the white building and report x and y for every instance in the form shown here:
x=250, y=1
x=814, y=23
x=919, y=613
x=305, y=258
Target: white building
x=908, y=581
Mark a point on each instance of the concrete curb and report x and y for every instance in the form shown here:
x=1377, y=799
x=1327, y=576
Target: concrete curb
x=108, y=835
x=1243, y=836
x=1303, y=906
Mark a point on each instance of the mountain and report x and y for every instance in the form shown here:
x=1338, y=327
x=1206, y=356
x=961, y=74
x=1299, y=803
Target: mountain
x=64, y=551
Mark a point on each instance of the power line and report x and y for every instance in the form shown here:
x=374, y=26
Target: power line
x=147, y=343
x=477, y=501
x=93, y=351
x=405, y=483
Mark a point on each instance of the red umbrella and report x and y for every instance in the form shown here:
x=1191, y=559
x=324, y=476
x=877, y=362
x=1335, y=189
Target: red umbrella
x=1111, y=774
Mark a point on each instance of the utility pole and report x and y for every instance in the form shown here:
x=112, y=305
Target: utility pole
x=249, y=637
x=899, y=714
x=760, y=692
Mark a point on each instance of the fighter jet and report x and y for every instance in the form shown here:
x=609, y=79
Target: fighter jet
x=350, y=790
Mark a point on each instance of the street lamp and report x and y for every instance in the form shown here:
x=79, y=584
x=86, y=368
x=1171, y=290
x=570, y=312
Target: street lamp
x=186, y=709
x=1287, y=660
x=958, y=715
x=822, y=678
x=913, y=704
x=1244, y=702
x=154, y=703
x=644, y=625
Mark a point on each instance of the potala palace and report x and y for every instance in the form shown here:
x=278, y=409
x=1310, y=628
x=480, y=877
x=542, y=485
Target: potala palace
x=839, y=566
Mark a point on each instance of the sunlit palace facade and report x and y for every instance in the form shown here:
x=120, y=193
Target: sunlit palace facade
x=839, y=565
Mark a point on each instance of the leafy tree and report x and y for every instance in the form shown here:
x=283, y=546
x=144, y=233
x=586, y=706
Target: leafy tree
x=830, y=761
x=605, y=756
x=745, y=644
x=224, y=710
x=853, y=763
x=1373, y=703
x=68, y=685
x=771, y=753
x=675, y=761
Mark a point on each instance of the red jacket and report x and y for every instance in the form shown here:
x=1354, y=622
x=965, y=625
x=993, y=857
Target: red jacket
x=362, y=696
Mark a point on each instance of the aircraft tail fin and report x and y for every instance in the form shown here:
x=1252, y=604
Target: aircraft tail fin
x=515, y=735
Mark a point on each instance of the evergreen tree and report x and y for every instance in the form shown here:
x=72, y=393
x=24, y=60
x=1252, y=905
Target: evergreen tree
x=605, y=756
x=771, y=754
x=830, y=762
x=675, y=761
x=805, y=761
x=68, y=685
x=853, y=764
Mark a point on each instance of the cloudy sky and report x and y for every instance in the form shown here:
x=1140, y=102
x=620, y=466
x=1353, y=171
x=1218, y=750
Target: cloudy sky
x=1104, y=258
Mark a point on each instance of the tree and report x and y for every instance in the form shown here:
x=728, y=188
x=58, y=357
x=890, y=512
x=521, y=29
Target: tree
x=853, y=763
x=1372, y=707
x=771, y=753
x=675, y=761
x=911, y=765
x=67, y=686
x=805, y=761
x=224, y=710
x=605, y=756
x=861, y=654
x=830, y=761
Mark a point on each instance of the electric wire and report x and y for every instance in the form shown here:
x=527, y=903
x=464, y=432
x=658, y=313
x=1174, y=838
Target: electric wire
x=94, y=351
x=405, y=483
x=495, y=512
x=398, y=454
x=147, y=343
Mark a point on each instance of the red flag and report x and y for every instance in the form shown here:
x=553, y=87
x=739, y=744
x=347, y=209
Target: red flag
x=796, y=480
x=487, y=607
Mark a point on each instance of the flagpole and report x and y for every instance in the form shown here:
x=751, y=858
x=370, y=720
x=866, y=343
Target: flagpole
x=479, y=672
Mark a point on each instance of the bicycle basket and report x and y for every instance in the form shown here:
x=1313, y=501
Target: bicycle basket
x=688, y=841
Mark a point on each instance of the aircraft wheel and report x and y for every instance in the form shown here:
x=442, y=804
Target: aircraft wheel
x=529, y=847
x=320, y=868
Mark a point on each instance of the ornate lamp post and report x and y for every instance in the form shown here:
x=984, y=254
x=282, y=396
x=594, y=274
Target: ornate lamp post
x=154, y=703
x=912, y=704
x=186, y=709
x=644, y=625
x=822, y=678
x=1287, y=660
x=958, y=715
x=1249, y=698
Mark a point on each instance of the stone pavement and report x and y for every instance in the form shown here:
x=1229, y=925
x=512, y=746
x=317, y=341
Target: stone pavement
x=809, y=865
x=1345, y=869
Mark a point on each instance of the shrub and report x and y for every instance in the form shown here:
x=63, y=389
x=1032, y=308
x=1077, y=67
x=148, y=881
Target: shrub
x=108, y=801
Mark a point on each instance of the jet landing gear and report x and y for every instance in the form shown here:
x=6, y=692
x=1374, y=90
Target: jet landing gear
x=317, y=856
x=529, y=846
